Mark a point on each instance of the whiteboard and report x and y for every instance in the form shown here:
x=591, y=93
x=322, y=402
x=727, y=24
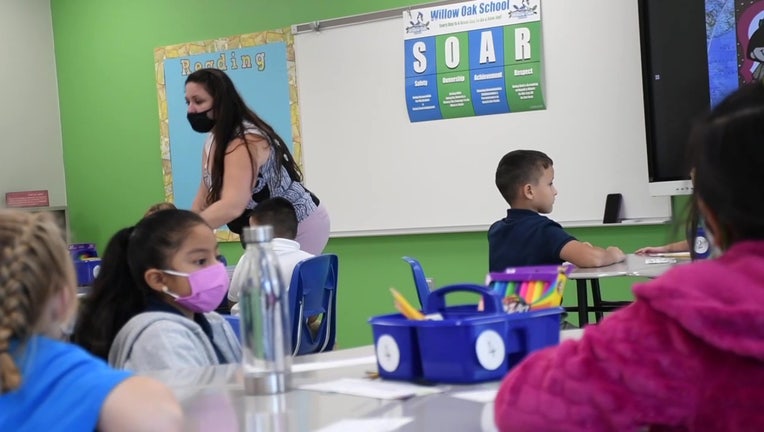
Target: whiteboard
x=378, y=173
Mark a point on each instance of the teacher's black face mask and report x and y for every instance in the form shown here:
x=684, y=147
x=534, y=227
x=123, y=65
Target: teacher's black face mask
x=200, y=122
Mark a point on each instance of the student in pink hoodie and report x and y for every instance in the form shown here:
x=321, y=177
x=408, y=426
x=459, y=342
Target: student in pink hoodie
x=688, y=354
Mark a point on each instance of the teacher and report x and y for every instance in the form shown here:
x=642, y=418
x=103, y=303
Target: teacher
x=244, y=161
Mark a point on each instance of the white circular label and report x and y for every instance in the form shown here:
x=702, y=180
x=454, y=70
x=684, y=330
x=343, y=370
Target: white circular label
x=388, y=354
x=490, y=350
x=701, y=245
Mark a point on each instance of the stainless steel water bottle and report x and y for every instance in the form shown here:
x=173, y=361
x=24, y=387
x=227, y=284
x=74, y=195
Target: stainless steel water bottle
x=265, y=321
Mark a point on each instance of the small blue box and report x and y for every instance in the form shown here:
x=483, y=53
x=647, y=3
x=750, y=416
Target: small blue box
x=467, y=345
x=87, y=270
x=86, y=262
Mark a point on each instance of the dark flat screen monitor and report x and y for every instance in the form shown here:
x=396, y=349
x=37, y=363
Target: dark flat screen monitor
x=693, y=55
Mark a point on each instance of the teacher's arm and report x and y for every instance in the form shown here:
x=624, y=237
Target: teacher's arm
x=200, y=198
x=238, y=180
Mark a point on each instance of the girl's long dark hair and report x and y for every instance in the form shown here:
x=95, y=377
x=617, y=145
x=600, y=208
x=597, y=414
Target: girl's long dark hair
x=231, y=113
x=727, y=148
x=120, y=292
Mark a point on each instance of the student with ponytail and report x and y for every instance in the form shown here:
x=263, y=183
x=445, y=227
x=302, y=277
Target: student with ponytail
x=244, y=162
x=47, y=384
x=151, y=305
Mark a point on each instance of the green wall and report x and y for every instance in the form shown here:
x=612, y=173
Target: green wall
x=109, y=114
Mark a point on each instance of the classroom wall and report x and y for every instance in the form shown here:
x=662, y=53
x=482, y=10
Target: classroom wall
x=31, y=142
x=104, y=52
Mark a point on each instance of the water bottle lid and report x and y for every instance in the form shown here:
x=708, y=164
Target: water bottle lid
x=257, y=234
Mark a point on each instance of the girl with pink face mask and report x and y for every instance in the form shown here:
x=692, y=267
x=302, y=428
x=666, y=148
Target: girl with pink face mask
x=152, y=304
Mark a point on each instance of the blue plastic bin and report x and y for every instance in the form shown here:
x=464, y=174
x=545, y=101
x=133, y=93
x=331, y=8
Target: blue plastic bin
x=468, y=345
x=87, y=270
x=396, y=347
x=86, y=262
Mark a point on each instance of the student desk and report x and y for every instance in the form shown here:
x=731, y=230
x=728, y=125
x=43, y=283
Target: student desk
x=213, y=399
x=634, y=265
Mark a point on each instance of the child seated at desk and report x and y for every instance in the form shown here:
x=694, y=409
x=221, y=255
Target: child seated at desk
x=525, y=180
x=688, y=354
x=47, y=384
x=152, y=303
x=280, y=214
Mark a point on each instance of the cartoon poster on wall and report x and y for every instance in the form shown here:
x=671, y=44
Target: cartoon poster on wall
x=261, y=66
x=473, y=58
x=750, y=39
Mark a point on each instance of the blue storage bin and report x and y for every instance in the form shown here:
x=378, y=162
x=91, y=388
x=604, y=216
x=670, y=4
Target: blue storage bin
x=396, y=347
x=87, y=270
x=86, y=262
x=467, y=346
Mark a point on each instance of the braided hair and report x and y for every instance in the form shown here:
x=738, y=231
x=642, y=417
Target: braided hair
x=34, y=266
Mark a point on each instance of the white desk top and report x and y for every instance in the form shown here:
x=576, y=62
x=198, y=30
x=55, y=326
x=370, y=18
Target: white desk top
x=213, y=399
x=634, y=265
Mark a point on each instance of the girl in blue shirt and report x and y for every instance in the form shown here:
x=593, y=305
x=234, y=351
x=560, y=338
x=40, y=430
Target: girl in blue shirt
x=46, y=384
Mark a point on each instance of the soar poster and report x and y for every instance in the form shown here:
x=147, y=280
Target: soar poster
x=473, y=58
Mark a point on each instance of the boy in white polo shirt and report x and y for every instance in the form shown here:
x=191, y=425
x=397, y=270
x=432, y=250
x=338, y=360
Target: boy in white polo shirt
x=280, y=214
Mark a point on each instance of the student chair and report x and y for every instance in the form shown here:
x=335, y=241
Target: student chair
x=233, y=320
x=420, y=281
x=313, y=296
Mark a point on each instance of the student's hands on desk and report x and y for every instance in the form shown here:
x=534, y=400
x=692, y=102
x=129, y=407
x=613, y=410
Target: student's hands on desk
x=680, y=246
x=583, y=254
x=616, y=254
x=649, y=250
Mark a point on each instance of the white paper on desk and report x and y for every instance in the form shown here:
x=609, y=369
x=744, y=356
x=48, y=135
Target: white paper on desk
x=671, y=254
x=372, y=388
x=367, y=425
x=319, y=365
x=482, y=396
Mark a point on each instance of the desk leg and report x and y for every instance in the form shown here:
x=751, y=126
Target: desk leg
x=597, y=299
x=583, y=302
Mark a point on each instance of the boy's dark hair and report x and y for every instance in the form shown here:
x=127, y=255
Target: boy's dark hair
x=518, y=168
x=166, y=205
x=727, y=156
x=120, y=291
x=280, y=214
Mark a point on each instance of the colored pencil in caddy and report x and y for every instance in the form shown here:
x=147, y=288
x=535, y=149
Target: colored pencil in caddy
x=531, y=287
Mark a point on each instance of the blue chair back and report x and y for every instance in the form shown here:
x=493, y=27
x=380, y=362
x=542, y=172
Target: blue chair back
x=313, y=292
x=420, y=280
x=233, y=320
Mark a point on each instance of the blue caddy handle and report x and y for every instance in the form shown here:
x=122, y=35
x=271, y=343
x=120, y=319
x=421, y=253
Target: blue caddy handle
x=436, y=301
